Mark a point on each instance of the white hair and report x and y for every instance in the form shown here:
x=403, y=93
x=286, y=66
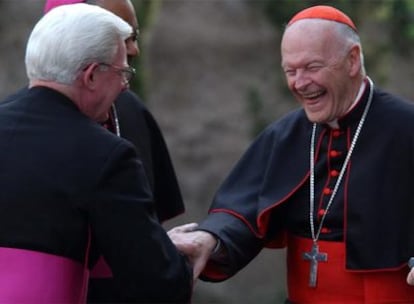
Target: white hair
x=69, y=38
x=350, y=38
x=346, y=37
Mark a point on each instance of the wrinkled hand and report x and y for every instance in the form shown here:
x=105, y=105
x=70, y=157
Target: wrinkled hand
x=196, y=245
x=410, y=277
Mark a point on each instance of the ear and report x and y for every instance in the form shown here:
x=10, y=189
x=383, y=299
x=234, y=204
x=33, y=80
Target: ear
x=89, y=76
x=355, y=60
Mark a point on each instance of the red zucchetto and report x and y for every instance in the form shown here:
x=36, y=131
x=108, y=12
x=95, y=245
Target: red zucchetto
x=323, y=12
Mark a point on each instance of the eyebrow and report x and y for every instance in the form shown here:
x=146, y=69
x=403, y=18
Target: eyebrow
x=135, y=32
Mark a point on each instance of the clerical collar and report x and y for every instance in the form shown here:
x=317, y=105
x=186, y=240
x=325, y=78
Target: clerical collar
x=334, y=123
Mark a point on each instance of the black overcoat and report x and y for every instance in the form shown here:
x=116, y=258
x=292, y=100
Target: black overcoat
x=64, y=175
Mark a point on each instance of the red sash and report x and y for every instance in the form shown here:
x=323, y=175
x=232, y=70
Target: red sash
x=335, y=284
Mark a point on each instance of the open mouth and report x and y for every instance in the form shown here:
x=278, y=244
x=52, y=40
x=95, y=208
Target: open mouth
x=314, y=95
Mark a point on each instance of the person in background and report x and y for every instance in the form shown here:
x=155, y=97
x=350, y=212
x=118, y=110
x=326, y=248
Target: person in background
x=130, y=119
x=70, y=184
x=331, y=181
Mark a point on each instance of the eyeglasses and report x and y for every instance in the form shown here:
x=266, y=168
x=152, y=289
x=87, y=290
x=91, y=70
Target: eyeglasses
x=134, y=35
x=126, y=72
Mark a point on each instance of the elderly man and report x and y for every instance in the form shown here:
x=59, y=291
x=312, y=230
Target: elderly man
x=130, y=119
x=68, y=182
x=331, y=182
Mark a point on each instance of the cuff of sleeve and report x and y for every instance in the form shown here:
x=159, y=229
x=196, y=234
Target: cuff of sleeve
x=217, y=248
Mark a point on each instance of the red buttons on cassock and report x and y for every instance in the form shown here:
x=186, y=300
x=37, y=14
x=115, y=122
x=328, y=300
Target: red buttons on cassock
x=336, y=133
x=334, y=153
x=327, y=191
x=334, y=173
x=321, y=213
x=325, y=230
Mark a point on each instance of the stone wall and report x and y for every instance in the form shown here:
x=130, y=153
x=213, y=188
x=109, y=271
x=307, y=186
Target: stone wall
x=16, y=22
x=202, y=59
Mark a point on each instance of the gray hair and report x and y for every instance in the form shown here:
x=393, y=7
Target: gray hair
x=350, y=38
x=346, y=37
x=69, y=38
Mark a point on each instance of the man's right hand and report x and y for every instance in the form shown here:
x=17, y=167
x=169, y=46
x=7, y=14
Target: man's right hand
x=197, y=245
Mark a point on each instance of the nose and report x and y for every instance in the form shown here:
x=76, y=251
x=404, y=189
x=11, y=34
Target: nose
x=301, y=80
x=132, y=48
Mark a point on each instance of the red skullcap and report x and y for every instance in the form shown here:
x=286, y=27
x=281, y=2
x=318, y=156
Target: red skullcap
x=54, y=3
x=323, y=12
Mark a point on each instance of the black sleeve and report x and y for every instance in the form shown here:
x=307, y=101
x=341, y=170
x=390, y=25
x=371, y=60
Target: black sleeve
x=241, y=245
x=145, y=264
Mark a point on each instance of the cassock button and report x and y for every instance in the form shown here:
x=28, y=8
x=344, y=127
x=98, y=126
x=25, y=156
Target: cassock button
x=327, y=191
x=336, y=133
x=321, y=213
x=325, y=230
x=334, y=173
x=334, y=153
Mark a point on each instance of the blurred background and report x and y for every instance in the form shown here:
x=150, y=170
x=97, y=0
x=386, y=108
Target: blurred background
x=210, y=72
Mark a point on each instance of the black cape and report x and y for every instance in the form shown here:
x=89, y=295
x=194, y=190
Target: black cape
x=139, y=127
x=254, y=206
x=65, y=178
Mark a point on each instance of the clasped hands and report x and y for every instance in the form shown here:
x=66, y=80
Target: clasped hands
x=410, y=276
x=197, y=245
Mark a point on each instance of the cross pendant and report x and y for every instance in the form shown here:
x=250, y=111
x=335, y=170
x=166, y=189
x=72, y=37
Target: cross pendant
x=314, y=256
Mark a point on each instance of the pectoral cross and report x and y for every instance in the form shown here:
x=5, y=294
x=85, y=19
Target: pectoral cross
x=314, y=256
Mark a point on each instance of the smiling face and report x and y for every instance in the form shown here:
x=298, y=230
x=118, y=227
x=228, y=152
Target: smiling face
x=321, y=68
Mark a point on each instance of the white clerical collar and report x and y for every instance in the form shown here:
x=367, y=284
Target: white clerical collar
x=334, y=123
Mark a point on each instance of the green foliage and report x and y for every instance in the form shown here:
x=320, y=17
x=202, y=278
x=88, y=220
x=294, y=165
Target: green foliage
x=279, y=12
x=402, y=25
x=398, y=15
x=144, y=9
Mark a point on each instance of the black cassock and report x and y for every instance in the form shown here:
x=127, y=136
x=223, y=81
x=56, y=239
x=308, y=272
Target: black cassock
x=65, y=178
x=266, y=195
x=137, y=125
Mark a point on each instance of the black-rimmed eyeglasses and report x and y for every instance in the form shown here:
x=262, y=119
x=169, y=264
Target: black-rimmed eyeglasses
x=126, y=72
